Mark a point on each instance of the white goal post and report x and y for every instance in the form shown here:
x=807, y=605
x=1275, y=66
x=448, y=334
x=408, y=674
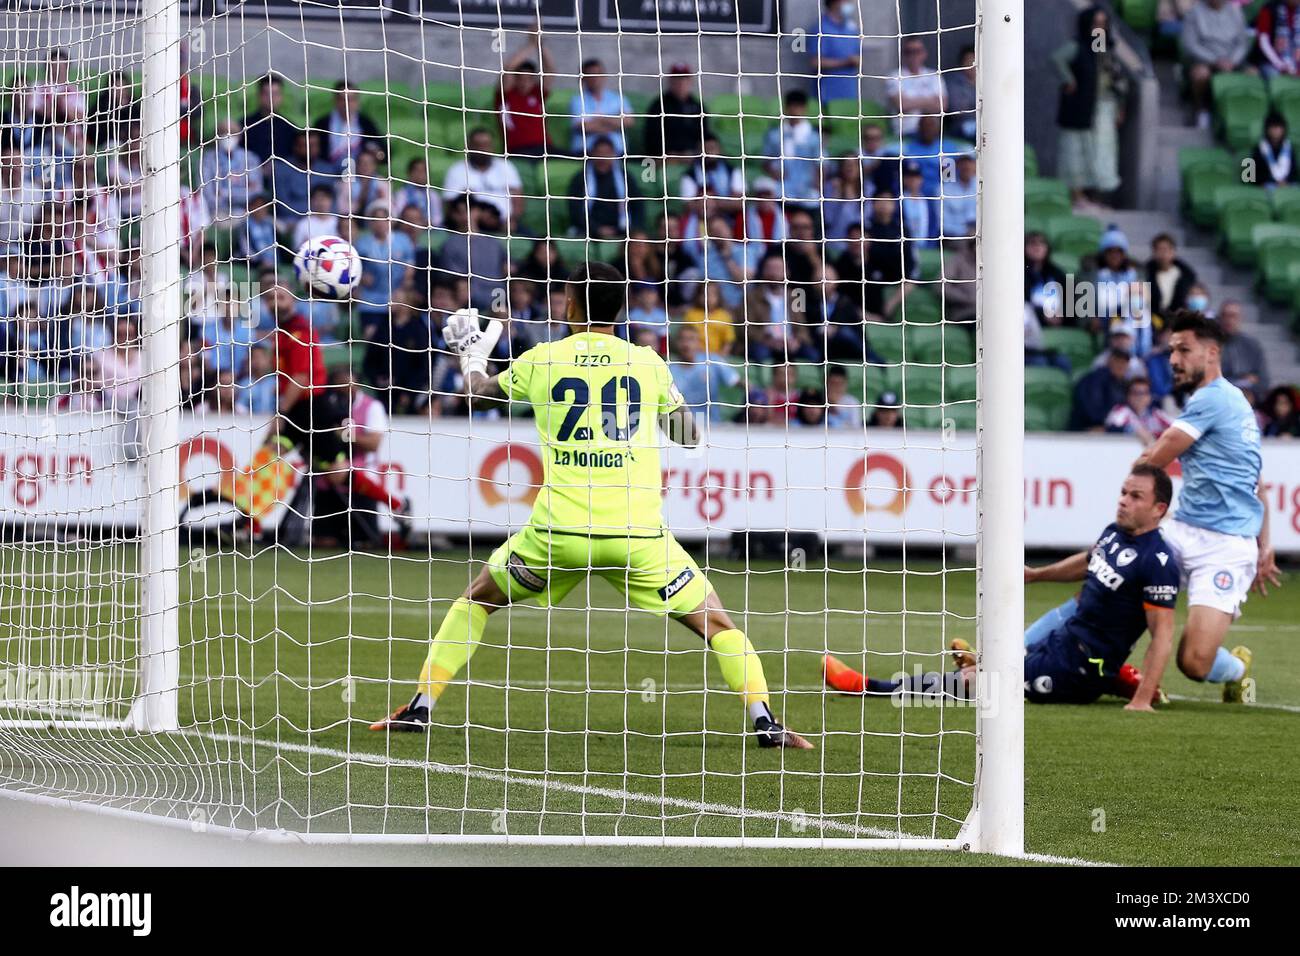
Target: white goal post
x=143, y=661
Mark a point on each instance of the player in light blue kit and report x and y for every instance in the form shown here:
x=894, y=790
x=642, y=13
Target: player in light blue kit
x=1219, y=531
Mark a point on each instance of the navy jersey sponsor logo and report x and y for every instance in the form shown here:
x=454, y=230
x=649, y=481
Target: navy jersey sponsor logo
x=676, y=584
x=524, y=575
x=1106, y=576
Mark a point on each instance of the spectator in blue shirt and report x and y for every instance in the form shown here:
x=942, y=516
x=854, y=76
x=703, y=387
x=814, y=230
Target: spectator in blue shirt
x=597, y=111
x=729, y=262
x=959, y=199
x=256, y=390
x=232, y=175
x=255, y=238
x=919, y=208
x=699, y=379
x=933, y=151
x=793, y=152
x=292, y=181
x=836, y=52
x=386, y=257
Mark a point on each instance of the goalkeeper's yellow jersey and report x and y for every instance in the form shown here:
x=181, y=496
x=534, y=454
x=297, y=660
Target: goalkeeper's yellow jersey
x=597, y=401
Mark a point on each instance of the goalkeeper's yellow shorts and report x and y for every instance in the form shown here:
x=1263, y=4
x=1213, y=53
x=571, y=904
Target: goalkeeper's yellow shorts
x=654, y=574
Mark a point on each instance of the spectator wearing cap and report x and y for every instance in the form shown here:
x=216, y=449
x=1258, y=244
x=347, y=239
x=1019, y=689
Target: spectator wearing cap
x=793, y=152
x=521, y=98
x=345, y=131
x=917, y=207
x=916, y=89
x=488, y=178
x=700, y=378
x=268, y=135
x=604, y=202
x=1242, y=357
x=597, y=111
x=1274, y=155
x=1097, y=392
x=932, y=151
x=836, y=51
x=1118, y=289
x=387, y=259
x=888, y=411
x=959, y=205
x=876, y=157
x=1091, y=109
x=1120, y=337
x=676, y=126
x=1137, y=415
x=1214, y=40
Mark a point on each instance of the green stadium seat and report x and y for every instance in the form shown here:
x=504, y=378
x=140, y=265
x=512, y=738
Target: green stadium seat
x=886, y=340
x=809, y=375
x=1074, y=232
x=961, y=383
x=1239, y=196
x=1077, y=345
x=1031, y=162
x=923, y=343
x=1226, y=85
x=385, y=102
x=1045, y=384
x=1051, y=417
x=1140, y=15
x=1237, y=232
x=922, y=385
x=1068, y=262
x=1286, y=205
x=1277, y=275
x=957, y=415
x=1198, y=195
x=878, y=379
x=1047, y=207
x=959, y=343
x=1206, y=157
x=929, y=262
x=920, y=306
x=1040, y=188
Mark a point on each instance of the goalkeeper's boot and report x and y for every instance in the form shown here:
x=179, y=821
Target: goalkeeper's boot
x=1234, y=690
x=962, y=655
x=407, y=719
x=402, y=517
x=841, y=677
x=772, y=734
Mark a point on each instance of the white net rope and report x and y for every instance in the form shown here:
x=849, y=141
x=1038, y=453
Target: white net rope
x=793, y=202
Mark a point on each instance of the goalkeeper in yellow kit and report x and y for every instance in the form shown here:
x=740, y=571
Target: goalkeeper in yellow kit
x=599, y=403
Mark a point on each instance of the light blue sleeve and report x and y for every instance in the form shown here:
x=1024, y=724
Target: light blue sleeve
x=1203, y=411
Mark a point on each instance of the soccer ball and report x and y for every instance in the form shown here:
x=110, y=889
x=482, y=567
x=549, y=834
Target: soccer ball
x=328, y=266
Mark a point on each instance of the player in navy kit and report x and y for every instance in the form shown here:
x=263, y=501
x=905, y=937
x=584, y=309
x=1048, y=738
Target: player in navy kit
x=1131, y=582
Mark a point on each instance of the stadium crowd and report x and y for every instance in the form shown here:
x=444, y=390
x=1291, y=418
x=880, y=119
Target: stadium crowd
x=767, y=255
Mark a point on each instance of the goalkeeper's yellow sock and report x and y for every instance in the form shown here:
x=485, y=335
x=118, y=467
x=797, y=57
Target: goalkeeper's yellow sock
x=455, y=643
x=742, y=670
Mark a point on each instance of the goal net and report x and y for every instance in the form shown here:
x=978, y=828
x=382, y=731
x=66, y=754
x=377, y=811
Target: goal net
x=239, y=509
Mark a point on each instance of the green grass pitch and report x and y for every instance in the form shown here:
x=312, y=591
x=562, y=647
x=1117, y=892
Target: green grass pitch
x=588, y=719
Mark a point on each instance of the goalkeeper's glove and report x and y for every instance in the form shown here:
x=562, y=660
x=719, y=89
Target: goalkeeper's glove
x=470, y=343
